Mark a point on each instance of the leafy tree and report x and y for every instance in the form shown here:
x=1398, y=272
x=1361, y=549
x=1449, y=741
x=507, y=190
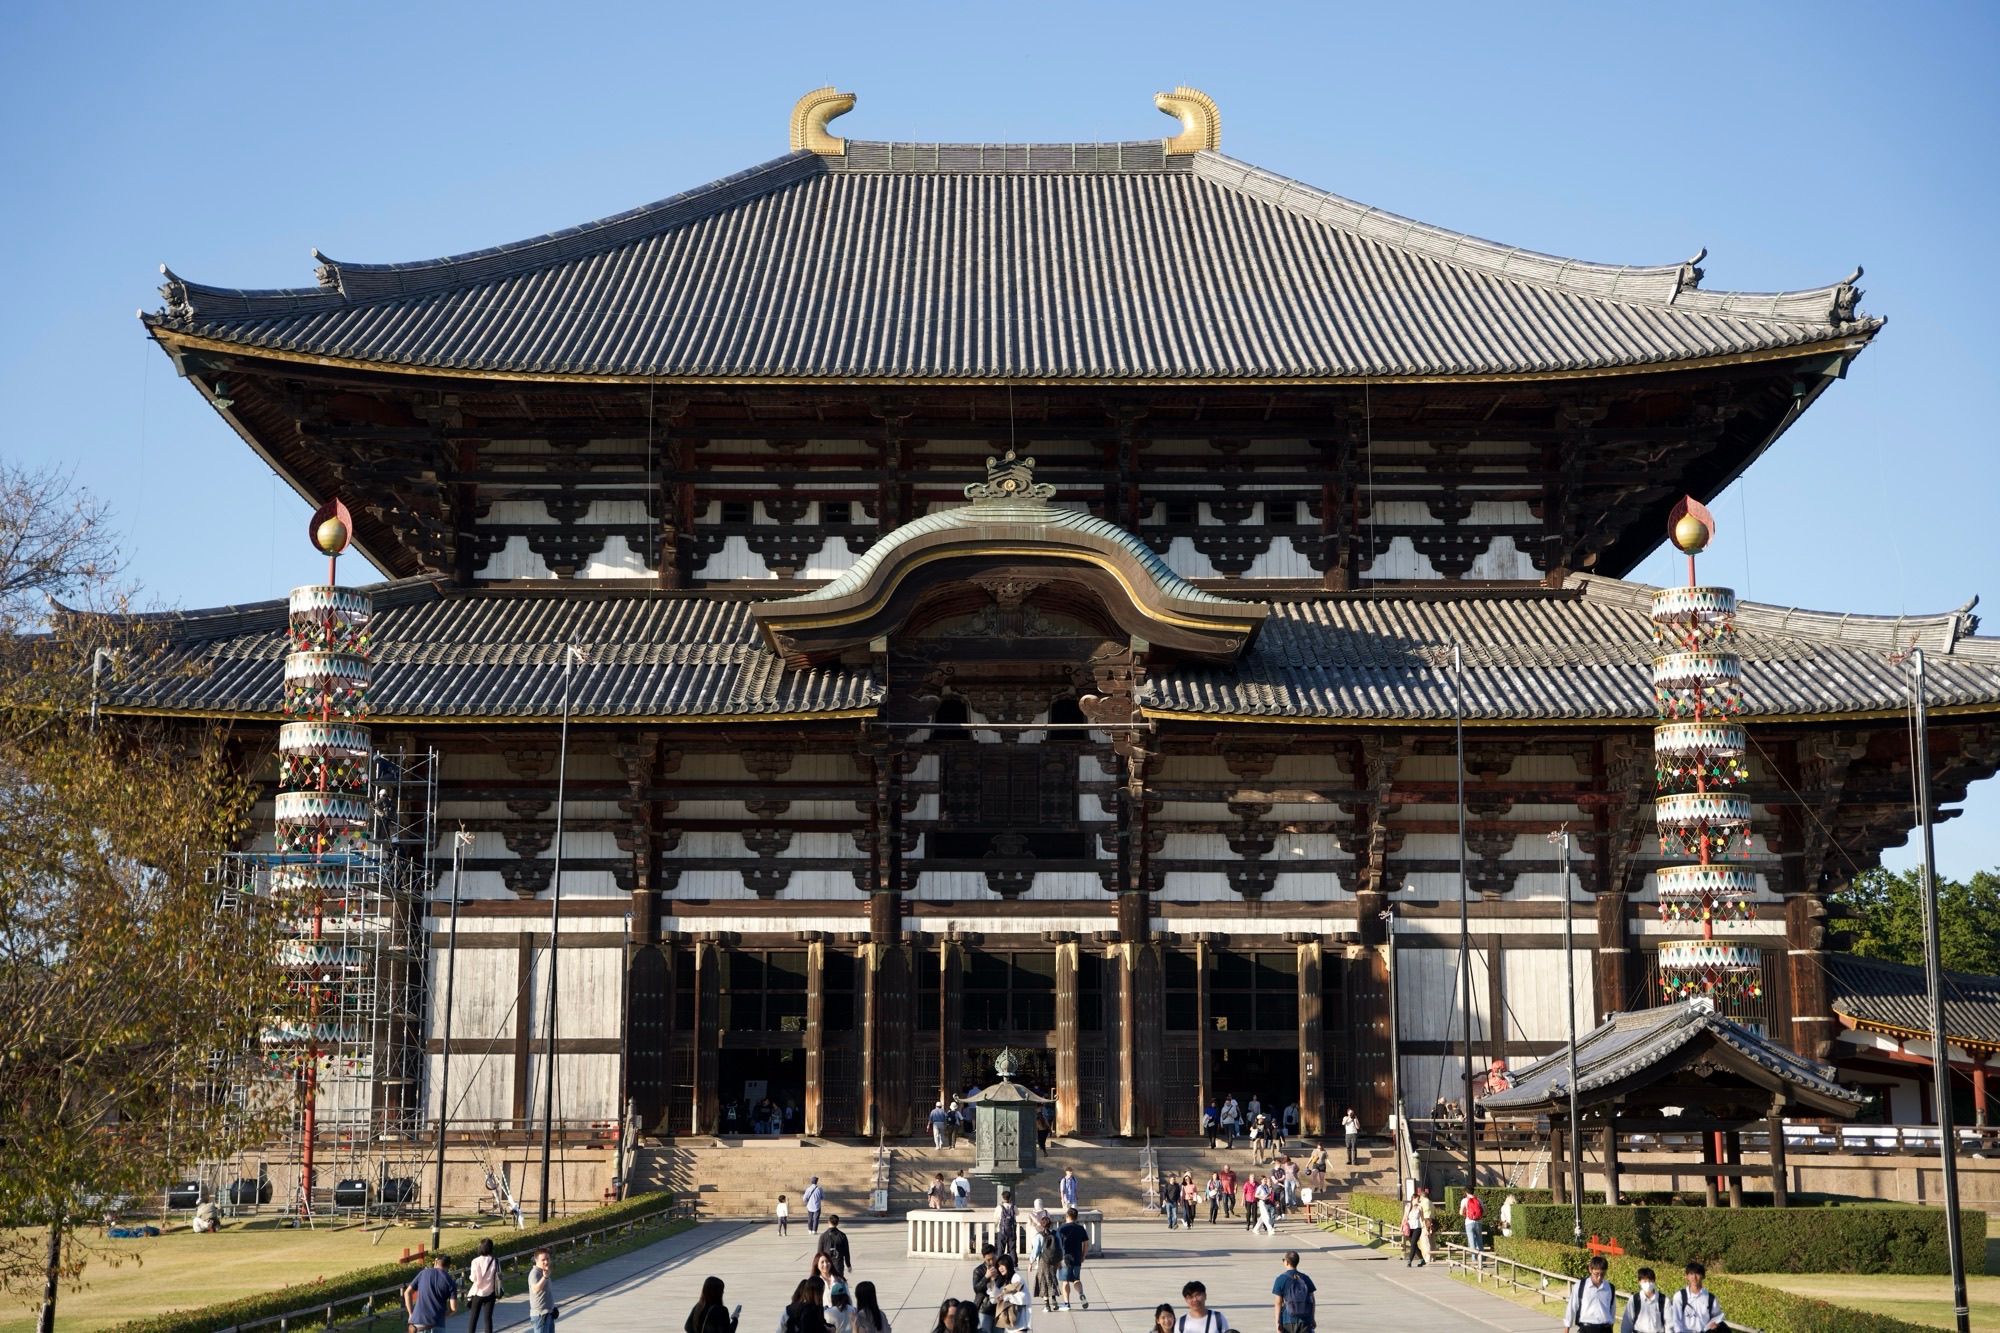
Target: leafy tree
x=133, y=1004
x=1888, y=922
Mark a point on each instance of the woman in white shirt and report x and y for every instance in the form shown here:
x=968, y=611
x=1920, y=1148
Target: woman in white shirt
x=482, y=1287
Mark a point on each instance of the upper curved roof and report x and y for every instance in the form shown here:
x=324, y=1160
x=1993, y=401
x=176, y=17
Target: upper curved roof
x=1092, y=262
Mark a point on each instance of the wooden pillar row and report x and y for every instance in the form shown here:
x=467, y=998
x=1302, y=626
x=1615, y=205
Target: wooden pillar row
x=1732, y=1155
x=1780, y=1172
x=1711, y=1193
x=815, y=1107
x=708, y=964
x=1312, y=1041
x=1068, y=1032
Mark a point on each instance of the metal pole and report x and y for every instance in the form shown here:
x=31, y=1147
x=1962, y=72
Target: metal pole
x=444, y=1069
x=1464, y=927
x=1569, y=1014
x=1934, y=979
x=1396, y=1115
x=555, y=937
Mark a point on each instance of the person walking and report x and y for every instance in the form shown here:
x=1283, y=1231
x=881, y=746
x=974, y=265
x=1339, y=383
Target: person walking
x=1209, y=1126
x=1265, y=1195
x=1199, y=1318
x=1413, y=1230
x=1427, y=1211
x=934, y=1196
x=868, y=1316
x=1646, y=1308
x=1350, y=1128
x=1228, y=1182
x=961, y=1190
x=1073, y=1238
x=1068, y=1189
x=839, y=1313
x=983, y=1274
x=482, y=1287
x=710, y=1315
x=1593, y=1301
x=430, y=1298
x=1164, y=1318
x=833, y=1244
x=1006, y=1233
x=1694, y=1308
x=1232, y=1121
x=1474, y=1214
x=1249, y=1193
x=784, y=1215
x=937, y=1119
x=1042, y=1257
x=1190, y=1196
x=542, y=1308
x=815, y=1200
x=1293, y=1301
x=1212, y=1191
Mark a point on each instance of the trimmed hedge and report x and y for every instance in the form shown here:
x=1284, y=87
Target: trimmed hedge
x=354, y=1285
x=1743, y=1301
x=1382, y=1207
x=1885, y=1238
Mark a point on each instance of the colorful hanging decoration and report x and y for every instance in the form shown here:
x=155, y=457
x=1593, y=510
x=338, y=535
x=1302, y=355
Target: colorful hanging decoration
x=1697, y=758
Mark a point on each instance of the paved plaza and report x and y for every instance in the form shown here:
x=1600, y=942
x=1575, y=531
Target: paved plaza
x=652, y=1289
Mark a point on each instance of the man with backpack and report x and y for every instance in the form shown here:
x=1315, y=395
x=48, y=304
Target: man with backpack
x=1593, y=1301
x=1292, y=1297
x=1694, y=1308
x=1199, y=1318
x=1474, y=1213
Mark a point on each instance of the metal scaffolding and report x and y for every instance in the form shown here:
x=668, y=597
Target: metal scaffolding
x=353, y=955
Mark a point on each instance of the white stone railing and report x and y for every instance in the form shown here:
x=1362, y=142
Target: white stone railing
x=954, y=1233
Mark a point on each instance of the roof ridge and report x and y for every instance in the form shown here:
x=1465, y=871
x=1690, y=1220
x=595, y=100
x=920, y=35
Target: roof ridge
x=1665, y=285
x=1865, y=629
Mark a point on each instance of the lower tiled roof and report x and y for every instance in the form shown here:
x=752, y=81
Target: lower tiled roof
x=1531, y=654
x=1581, y=652
x=444, y=653
x=1893, y=997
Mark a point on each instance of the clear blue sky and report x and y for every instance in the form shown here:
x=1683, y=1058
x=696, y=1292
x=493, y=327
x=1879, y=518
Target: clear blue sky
x=1794, y=140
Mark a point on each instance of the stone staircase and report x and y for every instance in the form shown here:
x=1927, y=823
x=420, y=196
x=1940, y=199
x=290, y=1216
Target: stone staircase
x=743, y=1177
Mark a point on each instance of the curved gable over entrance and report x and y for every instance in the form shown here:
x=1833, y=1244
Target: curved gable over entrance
x=1010, y=533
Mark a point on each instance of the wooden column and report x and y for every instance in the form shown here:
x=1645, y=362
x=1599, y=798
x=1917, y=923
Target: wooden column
x=1312, y=1041
x=1732, y=1155
x=886, y=976
x=1614, y=954
x=708, y=964
x=1979, y=1063
x=1558, y=1172
x=1203, y=953
x=1141, y=1046
x=1711, y=1195
x=1781, y=1192
x=1610, y=1132
x=1805, y=939
x=815, y=1032
x=951, y=1002
x=1068, y=1033
x=649, y=1027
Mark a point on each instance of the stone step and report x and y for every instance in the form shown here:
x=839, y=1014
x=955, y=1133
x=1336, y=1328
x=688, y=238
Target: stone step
x=735, y=1178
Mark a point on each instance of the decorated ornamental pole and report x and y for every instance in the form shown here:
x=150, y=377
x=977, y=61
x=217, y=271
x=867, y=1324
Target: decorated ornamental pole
x=1698, y=761
x=322, y=806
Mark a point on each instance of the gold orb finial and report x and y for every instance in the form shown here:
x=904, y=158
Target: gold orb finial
x=330, y=528
x=1690, y=526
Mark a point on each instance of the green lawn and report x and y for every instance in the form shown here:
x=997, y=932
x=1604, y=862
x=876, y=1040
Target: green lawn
x=1921, y=1300
x=181, y=1270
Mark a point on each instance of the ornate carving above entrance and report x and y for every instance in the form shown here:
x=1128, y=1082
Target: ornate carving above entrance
x=1010, y=543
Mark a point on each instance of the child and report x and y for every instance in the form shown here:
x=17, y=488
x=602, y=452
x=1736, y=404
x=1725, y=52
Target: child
x=784, y=1214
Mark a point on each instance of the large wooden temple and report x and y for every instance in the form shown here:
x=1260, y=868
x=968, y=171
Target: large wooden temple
x=1003, y=595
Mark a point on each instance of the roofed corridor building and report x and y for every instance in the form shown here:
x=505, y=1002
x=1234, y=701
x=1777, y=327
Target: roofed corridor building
x=1008, y=581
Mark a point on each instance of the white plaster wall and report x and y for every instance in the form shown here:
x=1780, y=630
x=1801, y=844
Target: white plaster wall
x=1427, y=998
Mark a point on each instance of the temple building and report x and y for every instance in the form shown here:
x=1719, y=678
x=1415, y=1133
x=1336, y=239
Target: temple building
x=1004, y=595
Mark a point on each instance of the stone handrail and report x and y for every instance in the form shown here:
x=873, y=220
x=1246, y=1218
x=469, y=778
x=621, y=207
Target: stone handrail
x=961, y=1233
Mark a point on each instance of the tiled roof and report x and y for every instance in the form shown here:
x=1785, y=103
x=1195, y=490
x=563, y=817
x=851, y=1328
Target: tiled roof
x=1625, y=1044
x=1875, y=993
x=1579, y=653
x=438, y=653
x=1067, y=261
x=1582, y=652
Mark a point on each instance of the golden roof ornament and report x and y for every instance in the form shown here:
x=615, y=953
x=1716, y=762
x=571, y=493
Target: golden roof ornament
x=810, y=115
x=1201, y=120
x=1009, y=477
